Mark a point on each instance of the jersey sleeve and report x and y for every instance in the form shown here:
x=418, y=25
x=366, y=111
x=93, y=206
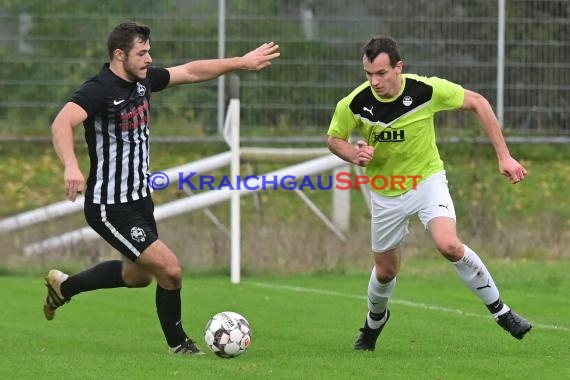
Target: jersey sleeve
x=446, y=95
x=159, y=78
x=90, y=96
x=343, y=121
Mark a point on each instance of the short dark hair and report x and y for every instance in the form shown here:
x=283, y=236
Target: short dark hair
x=123, y=36
x=381, y=44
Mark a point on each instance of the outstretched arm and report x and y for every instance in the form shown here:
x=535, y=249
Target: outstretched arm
x=508, y=166
x=70, y=116
x=203, y=70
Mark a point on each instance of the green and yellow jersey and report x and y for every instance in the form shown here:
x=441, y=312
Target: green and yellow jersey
x=400, y=129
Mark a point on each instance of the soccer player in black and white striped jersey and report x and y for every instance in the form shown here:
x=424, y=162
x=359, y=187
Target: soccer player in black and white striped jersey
x=114, y=108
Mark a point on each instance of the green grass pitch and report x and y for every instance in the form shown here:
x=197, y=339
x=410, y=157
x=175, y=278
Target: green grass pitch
x=303, y=328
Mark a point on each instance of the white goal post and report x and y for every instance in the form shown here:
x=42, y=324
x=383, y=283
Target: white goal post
x=235, y=231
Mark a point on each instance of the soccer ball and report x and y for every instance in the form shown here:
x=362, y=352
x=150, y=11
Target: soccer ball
x=227, y=334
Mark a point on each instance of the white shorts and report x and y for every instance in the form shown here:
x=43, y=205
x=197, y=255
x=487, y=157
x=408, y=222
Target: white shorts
x=391, y=215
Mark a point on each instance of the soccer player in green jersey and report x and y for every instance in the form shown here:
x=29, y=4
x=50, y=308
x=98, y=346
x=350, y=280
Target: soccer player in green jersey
x=394, y=112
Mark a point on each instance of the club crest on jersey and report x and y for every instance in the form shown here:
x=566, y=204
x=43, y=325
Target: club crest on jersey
x=141, y=90
x=138, y=234
x=407, y=101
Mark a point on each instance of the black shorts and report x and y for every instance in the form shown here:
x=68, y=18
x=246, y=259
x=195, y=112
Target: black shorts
x=128, y=227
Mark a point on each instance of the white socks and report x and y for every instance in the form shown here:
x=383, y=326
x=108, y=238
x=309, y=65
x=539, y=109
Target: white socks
x=378, y=296
x=470, y=269
x=476, y=276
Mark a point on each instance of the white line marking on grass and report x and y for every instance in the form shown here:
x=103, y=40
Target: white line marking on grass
x=417, y=305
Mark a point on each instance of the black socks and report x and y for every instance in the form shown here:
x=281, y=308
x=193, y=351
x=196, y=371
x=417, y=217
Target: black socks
x=169, y=310
x=107, y=274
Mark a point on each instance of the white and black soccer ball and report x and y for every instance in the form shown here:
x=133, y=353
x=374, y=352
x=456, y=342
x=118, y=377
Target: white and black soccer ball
x=227, y=334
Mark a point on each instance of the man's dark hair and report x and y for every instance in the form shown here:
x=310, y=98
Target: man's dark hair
x=124, y=35
x=381, y=44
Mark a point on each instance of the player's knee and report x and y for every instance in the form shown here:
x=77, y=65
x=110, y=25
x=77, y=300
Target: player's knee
x=452, y=250
x=385, y=275
x=172, y=277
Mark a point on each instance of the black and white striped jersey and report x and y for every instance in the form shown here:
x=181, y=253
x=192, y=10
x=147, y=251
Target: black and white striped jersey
x=117, y=132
